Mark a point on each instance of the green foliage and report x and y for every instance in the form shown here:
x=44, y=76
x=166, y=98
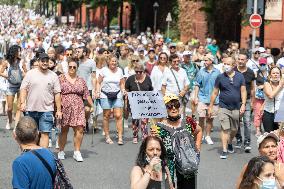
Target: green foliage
x=114, y=21
x=174, y=34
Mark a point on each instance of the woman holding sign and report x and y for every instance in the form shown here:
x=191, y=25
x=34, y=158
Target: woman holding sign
x=110, y=86
x=139, y=82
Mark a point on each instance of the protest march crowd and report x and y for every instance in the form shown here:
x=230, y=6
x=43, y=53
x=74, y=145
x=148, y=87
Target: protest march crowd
x=66, y=77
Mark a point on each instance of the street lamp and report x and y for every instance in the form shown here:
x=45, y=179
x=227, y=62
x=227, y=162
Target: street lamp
x=155, y=6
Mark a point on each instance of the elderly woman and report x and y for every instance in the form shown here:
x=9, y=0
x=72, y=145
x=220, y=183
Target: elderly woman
x=174, y=122
x=73, y=93
x=139, y=82
x=150, y=166
x=110, y=86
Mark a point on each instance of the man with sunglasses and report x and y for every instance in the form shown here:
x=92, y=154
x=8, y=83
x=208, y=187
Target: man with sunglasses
x=175, y=81
x=230, y=86
x=253, y=62
x=40, y=89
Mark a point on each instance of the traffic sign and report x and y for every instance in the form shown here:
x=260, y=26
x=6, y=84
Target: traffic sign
x=255, y=21
x=169, y=17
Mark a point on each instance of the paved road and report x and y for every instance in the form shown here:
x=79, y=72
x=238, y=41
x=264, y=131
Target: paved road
x=108, y=166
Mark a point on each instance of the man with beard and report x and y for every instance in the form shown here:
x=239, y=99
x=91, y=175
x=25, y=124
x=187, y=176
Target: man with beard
x=40, y=89
x=87, y=71
x=250, y=87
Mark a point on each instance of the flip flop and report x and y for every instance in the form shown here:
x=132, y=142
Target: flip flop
x=120, y=142
x=109, y=141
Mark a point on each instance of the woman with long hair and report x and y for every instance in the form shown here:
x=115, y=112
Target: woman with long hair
x=259, y=174
x=15, y=75
x=273, y=90
x=158, y=71
x=110, y=89
x=150, y=166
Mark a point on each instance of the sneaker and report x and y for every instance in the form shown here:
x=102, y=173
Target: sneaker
x=224, y=155
x=8, y=126
x=61, y=155
x=230, y=149
x=49, y=143
x=209, y=140
x=239, y=144
x=247, y=147
x=77, y=156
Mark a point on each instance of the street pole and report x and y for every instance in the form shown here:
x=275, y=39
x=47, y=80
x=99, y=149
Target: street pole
x=168, y=32
x=254, y=30
x=155, y=20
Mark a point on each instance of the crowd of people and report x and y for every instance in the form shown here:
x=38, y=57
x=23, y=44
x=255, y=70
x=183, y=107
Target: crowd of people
x=66, y=77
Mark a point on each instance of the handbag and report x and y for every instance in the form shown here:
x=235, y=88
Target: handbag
x=111, y=95
x=59, y=178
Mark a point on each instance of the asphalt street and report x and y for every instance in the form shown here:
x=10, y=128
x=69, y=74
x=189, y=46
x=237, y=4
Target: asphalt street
x=108, y=166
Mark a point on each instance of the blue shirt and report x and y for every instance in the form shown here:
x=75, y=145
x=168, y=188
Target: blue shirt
x=230, y=90
x=205, y=80
x=30, y=173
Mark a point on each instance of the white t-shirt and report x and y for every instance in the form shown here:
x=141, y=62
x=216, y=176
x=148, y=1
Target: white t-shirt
x=253, y=65
x=128, y=72
x=111, y=81
x=272, y=105
x=157, y=77
x=170, y=82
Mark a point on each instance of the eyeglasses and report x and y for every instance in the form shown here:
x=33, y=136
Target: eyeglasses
x=73, y=67
x=173, y=104
x=163, y=57
x=135, y=60
x=138, y=72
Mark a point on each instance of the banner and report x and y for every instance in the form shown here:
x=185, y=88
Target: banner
x=147, y=104
x=273, y=10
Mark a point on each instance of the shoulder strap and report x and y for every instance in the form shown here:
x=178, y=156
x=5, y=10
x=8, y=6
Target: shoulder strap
x=137, y=83
x=44, y=162
x=175, y=79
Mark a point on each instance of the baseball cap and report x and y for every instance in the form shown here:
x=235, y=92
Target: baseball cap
x=186, y=53
x=265, y=135
x=255, y=50
x=170, y=97
x=261, y=49
x=43, y=56
x=172, y=45
x=151, y=50
x=262, y=61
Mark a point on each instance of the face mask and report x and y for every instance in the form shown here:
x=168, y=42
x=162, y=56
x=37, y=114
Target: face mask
x=262, y=68
x=275, y=80
x=227, y=68
x=268, y=184
x=173, y=119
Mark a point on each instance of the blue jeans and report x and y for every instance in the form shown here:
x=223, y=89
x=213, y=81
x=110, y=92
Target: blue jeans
x=44, y=120
x=245, y=120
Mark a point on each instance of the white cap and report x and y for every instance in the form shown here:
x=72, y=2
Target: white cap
x=186, y=53
x=257, y=43
x=264, y=136
x=261, y=49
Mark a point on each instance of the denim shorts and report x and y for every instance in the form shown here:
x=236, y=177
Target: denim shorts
x=107, y=104
x=44, y=120
x=12, y=91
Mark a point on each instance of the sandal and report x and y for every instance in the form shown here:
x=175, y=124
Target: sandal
x=135, y=140
x=120, y=142
x=109, y=141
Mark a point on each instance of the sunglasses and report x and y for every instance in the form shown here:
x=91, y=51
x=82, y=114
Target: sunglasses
x=231, y=80
x=257, y=52
x=163, y=57
x=135, y=60
x=68, y=54
x=138, y=72
x=173, y=104
x=73, y=67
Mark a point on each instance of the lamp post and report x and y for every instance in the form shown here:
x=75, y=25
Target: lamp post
x=155, y=6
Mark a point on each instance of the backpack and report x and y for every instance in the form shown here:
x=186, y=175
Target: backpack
x=15, y=75
x=183, y=144
x=59, y=179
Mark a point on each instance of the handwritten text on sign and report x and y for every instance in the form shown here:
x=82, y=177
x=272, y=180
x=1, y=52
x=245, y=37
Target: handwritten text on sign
x=147, y=104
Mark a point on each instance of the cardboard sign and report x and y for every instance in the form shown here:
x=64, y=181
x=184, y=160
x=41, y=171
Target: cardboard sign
x=279, y=117
x=147, y=104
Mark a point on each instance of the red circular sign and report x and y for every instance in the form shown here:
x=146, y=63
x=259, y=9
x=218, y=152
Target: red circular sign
x=255, y=20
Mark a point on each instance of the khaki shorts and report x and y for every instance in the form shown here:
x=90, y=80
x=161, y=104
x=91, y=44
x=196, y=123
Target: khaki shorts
x=229, y=119
x=203, y=108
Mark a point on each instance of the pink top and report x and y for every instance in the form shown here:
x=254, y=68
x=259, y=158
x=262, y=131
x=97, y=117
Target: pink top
x=280, y=151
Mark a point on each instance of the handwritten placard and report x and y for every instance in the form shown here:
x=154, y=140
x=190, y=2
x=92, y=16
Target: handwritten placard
x=147, y=104
x=279, y=117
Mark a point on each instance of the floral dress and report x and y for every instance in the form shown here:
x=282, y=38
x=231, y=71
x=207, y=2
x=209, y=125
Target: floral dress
x=72, y=99
x=165, y=135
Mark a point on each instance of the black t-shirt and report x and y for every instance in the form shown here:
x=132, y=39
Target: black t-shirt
x=249, y=77
x=131, y=85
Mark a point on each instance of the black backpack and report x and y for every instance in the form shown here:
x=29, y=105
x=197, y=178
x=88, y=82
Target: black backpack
x=183, y=144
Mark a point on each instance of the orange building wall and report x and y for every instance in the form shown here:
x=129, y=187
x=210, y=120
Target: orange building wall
x=274, y=34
